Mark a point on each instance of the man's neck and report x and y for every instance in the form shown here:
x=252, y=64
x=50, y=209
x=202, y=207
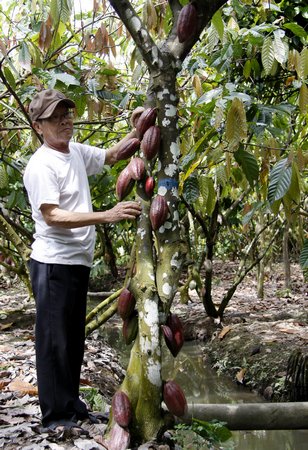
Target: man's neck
x=60, y=148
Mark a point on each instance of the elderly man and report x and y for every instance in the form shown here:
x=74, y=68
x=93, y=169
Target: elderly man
x=62, y=252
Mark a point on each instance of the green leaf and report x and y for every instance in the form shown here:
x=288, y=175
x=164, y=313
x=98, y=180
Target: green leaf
x=3, y=177
x=24, y=56
x=296, y=29
x=280, y=180
x=214, y=430
x=65, y=78
x=209, y=96
x=249, y=165
x=247, y=69
x=191, y=189
x=9, y=77
x=211, y=198
x=280, y=48
x=218, y=24
x=61, y=10
x=268, y=55
x=303, y=258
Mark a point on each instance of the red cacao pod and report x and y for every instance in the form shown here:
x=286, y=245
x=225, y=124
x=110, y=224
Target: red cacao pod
x=169, y=339
x=121, y=409
x=130, y=328
x=187, y=22
x=174, y=398
x=124, y=184
x=158, y=211
x=128, y=148
x=149, y=186
x=179, y=341
x=145, y=121
x=136, y=168
x=174, y=322
x=126, y=304
x=151, y=142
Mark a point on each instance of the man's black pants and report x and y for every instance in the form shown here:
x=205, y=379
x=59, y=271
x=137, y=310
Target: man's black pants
x=60, y=293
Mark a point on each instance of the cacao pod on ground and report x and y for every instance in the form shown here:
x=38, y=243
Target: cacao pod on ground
x=169, y=339
x=187, y=22
x=149, y=186
x=121, y=409
x=128, y=148
x=145, y=121
x=158, y=211
x=130, y=328
x=126, y=304
x=151, y=142
x=174, y=398
x=125, y=184
x=136, y=168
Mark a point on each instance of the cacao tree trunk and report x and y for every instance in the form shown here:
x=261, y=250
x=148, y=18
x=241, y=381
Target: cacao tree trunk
x=159, y=255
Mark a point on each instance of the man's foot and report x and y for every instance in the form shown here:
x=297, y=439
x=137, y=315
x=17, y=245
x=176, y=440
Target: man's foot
x=64, y=429
x=96, y=417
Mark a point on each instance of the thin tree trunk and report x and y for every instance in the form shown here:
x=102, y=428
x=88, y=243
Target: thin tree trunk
x=286, y=257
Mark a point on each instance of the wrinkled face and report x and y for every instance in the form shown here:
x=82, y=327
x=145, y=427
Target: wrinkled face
x=57, y=130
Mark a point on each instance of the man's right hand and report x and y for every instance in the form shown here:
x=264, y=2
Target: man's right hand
x=123, y=211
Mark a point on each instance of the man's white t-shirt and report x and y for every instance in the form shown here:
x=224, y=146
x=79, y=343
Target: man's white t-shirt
x=61, y=179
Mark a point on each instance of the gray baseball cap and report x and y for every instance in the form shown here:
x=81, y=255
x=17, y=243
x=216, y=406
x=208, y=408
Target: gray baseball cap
x=44, y=103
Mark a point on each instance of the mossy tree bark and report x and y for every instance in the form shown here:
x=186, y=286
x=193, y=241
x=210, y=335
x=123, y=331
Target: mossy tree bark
x=159, y=255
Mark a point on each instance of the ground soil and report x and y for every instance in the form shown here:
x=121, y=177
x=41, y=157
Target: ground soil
x=252, y=344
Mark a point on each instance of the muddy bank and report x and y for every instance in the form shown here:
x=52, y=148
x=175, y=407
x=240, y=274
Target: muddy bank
x=256, y=338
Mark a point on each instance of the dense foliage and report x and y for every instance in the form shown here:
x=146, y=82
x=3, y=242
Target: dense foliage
x=243, y=116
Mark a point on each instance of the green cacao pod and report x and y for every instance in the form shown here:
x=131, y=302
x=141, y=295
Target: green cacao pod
x=145, y=121
x=121, y=409
x=151, y=142
x=174, y=398
x=128, y=148
x=126, y=304
x=136, y=168
x=125, y=184
x=130, y=328
x=187, y=22
x=158, y=211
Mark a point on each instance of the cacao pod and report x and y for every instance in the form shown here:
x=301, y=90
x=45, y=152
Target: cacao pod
x=169, y=339
x=127, y=148
x=158, y=211
x=126, y=304
x=174, y=398
x=149, y=186
x=121, y=409
x=145, y=121
x=178, y=337
x=187, y=22
x=130, y=328
x=151, y=142
x=174, y=322
x=124, y=184
x=136, y=168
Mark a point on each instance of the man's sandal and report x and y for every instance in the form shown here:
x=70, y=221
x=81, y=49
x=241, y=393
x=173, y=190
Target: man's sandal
x=63, y=429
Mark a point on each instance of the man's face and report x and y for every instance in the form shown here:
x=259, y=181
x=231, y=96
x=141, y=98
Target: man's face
x=57, y=130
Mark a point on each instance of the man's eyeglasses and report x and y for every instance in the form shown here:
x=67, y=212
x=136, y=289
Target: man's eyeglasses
x=57, y=118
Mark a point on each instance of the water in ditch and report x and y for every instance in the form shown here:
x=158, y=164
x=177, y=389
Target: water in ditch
x=202, y=384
